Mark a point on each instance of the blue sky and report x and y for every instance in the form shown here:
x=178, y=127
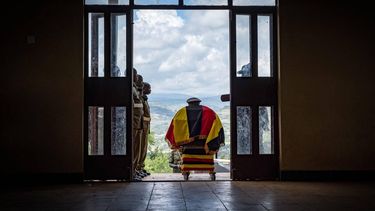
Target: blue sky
x=183, y=52
x=187, y=51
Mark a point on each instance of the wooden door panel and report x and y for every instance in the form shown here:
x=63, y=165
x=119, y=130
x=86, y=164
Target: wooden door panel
x=258, y=93
x=111, y=92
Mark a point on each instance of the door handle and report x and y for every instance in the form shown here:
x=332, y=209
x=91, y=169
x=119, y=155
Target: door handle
x=225, y=97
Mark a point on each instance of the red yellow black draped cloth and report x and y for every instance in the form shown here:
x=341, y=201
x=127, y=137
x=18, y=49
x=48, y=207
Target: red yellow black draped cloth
x=197, y=162
x=198, y=129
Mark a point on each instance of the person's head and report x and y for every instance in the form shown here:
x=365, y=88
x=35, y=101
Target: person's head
x=135, y=75
x=146, y=88
x=139, y=82
x=139, y=79
x=115, y=70
x=193, y=101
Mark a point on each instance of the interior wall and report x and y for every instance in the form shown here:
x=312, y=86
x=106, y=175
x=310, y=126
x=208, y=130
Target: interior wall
x=326, y=85
x=326, y=88
x=42, y=87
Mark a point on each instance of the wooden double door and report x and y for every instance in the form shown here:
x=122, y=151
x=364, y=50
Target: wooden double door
x=108, y=95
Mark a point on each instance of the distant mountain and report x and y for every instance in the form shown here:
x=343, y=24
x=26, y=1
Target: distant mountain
x=155, y=109
x=175, y=101
x=214, y=102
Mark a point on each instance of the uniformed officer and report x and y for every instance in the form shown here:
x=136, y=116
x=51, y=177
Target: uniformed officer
x=146, y=128
x=137, y=125
x=138, y=168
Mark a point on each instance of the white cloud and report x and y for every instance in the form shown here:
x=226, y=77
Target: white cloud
x=188, y=53
x=157, y=29
x=208, y=19
x=184, y=56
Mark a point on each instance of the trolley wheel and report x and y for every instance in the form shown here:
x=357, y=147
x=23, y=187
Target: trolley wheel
x=213, y=176
x=186, y=176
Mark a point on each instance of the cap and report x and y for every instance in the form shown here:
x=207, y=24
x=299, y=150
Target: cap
x=193, y=100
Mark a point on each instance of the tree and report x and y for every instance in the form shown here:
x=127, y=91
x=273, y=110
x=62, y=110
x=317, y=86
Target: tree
x=156, y=160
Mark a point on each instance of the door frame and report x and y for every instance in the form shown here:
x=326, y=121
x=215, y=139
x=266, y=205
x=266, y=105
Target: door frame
x=90, y=83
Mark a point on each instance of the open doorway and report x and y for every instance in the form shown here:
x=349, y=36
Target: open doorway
x=182, y=54
x=109, y=53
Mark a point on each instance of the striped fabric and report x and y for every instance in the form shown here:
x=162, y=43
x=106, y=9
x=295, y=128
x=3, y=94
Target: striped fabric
x=197, y=159
x=198, y=133
x=197, y=162
x=197, y=167
x=190, y=125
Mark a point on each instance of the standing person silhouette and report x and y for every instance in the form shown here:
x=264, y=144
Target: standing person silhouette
x=146, y=128
x=137, y=125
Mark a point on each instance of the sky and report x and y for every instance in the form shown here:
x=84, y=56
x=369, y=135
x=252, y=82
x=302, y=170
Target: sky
x=183, y=52
x=187, y=51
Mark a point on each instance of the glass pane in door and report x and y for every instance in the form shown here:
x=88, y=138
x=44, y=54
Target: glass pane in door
x=243, y=50
x=254, y=2
x=265, y=130
x=206, y=2
x=95, y=130
x=156, y=2
x=264, y=46
x=118, y=128
x=96, y=45
x=244, y=130
x=118, y=45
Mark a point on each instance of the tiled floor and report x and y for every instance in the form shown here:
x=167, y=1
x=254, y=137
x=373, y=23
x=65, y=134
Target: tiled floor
x=194, y=195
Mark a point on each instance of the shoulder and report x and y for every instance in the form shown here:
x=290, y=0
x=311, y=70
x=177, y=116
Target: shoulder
x=180, y=114
x=207, y=109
